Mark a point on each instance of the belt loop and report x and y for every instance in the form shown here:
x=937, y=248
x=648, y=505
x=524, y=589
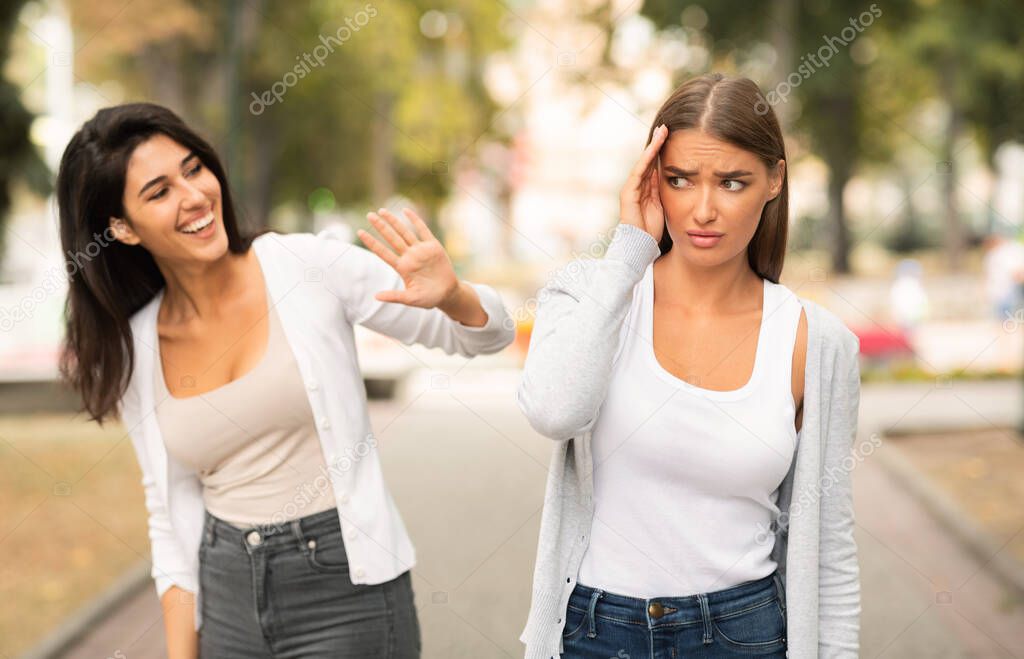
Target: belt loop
x=210, y=533
x=705, y=613
x=592, y=612
x=297, y=532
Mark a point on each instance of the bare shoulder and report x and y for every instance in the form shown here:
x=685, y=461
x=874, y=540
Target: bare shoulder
x=799, y=366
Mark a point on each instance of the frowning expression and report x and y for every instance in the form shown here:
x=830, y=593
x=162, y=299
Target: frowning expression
x=713, y=193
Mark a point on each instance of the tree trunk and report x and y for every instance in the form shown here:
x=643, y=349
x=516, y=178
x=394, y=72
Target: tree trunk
x=954, y=230
x=783, y=27
x=839, y=236
x=161, y=64
x=382, y=150
x=838, y=148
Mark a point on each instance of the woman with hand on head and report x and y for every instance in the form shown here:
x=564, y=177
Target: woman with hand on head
x=230, y=359
x=697, y=502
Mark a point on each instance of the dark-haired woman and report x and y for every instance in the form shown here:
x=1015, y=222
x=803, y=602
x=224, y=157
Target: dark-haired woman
x=698, y=502
x=231, y=361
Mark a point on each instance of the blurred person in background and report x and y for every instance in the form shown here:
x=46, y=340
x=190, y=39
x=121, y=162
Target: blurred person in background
x=908, y=301
x=697, y=503
x=1004, y=275
x=230, y=359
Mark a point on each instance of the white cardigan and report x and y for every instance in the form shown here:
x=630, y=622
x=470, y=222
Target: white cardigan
x=580, y=327
x=321, y=286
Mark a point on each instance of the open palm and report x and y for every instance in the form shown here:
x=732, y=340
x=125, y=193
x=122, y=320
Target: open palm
x=418, y=258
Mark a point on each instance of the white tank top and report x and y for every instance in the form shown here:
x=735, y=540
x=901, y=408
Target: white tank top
x=686, y=479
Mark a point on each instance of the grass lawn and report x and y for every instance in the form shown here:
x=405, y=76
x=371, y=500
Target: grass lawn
x=72, y=519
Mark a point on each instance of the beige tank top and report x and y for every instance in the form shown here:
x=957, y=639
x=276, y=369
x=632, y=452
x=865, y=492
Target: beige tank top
x=252, y=441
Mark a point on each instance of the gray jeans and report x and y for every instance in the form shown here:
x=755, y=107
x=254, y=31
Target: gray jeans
x=284, y=591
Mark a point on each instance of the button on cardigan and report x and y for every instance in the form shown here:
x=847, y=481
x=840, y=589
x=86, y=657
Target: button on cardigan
x=320, y=286
x=578, y=334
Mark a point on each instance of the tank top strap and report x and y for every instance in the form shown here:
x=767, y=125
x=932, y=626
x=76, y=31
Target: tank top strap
x=782, y=315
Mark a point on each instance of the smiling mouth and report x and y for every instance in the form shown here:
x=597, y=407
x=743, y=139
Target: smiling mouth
x=198, y=225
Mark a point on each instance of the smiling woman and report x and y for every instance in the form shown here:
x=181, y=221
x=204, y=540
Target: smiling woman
x=231, y=360
x=123, y=164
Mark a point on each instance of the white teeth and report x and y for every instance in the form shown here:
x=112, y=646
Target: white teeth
x=199, y=224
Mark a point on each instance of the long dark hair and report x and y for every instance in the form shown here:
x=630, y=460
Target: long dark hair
x=735, y=111
x=109, y=281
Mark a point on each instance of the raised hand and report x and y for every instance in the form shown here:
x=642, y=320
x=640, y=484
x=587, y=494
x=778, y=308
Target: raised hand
x=639, y=201
x=419, y=258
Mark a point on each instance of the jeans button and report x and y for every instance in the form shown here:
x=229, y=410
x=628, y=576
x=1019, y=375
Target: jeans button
x=253, y=538
x=656, y=610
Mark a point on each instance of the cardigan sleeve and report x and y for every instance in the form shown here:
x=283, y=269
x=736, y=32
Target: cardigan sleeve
x=355, y=274
x=170, y=566
x=577, y=333
x=839, y=578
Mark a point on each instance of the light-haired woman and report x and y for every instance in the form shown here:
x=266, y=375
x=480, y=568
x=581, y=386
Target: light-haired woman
x=697, y=503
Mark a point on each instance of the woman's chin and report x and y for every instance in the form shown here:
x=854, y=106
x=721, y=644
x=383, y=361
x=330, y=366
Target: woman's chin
x=211, y=248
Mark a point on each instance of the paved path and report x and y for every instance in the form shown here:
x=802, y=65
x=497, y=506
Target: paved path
x=468, y=474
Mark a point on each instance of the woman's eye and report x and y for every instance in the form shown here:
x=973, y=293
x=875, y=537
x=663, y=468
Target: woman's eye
x=195, y=170
x=735, y=186
x=676, y=181
x=159, y=194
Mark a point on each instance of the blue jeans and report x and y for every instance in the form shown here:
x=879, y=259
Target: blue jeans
x=284, y=591
x=748, y=620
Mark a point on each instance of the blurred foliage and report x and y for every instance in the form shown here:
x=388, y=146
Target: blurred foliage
x=19, y=158
x=366, y=118
x=864, y=109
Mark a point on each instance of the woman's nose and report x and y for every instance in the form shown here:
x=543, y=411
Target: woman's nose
x=194, y=196
x=705, y=210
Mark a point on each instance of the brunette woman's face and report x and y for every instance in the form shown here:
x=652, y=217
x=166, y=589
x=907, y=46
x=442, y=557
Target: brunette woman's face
x=173, y=204
x=708, y=186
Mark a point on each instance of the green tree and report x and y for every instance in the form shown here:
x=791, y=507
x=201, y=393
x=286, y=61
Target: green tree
x=19, y=159
x=973, y=57
x=814, y=53
x=385, y=110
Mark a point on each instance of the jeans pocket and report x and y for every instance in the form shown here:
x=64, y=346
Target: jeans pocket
x=575, y=623
x=760, y=628
x=325, y=552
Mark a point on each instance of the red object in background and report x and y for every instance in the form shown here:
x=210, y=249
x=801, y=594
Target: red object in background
x=883, y=341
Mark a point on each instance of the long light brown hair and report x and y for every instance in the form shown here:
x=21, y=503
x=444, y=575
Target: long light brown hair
x=734, y=110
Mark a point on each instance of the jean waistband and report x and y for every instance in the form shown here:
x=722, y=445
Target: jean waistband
x=271, y=534
x=670, y=611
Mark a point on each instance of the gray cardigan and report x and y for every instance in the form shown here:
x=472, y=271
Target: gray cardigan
x=577, y=336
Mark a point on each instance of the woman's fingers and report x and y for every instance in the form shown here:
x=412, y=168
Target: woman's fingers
x=399, y=226
x=655, y=195
x=657, y=140
x=378, y=248
x=400, y=297
x=385, y=229
x=422, y=229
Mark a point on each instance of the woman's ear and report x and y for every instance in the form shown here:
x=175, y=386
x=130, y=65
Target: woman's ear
x=775, y=179
x=123, y=231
